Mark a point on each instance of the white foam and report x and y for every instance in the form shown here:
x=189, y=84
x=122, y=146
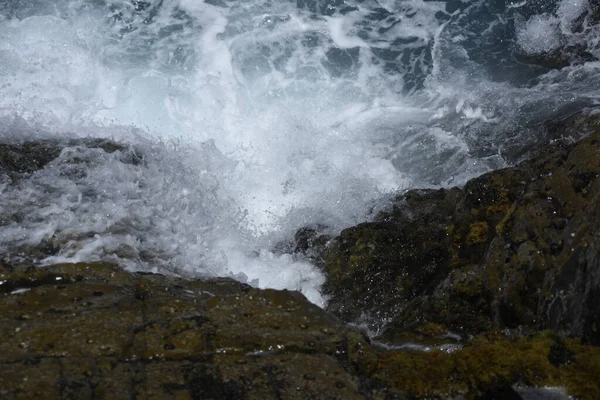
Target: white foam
x=256, y=119
x=517, y=4
x=256, y=148
x=569, y=11
x=547, y=32
x=337, y=29
x=539, y=34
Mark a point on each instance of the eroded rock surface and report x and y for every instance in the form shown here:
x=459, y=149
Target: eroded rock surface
x=517, y=248
x=96, y=331
x=83, y=331
x=467, y=281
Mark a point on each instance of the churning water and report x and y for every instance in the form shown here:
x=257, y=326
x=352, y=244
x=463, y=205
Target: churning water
x=257, y=117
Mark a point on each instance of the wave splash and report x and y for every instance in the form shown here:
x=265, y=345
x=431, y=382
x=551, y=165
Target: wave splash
x=257, y=118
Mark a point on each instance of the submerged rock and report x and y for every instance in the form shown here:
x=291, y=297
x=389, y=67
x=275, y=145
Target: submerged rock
x=594, y=12
x=445, y=270
x=517, y=248
x=36, y=178
x=575, y=49
x=28, y=157
x=96, y=331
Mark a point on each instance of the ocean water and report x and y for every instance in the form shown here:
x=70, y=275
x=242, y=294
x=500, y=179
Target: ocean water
x=256, y=118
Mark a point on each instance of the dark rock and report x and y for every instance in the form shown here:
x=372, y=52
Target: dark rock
x=71, y=158
x=571, y=54
x=500, y=393
x=309, y=242
x=152, y=336
x=28, y=157
x=595, y=12
x=515, y=248
x=159, y=336
x=494, y=364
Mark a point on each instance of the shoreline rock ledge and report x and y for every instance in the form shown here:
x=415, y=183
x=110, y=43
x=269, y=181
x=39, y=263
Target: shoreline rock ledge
x=95, y=331
x=490, y=291
x=517, y=248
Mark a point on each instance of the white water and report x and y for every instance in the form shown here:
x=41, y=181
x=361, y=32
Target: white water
x=254, y=118
x=544, y=32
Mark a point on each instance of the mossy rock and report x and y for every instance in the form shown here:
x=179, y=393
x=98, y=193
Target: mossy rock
x=493, y=361
x=96, y=331
x=517, y=247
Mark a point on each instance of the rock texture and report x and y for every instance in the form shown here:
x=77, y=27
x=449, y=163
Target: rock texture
x=28, y=157
x=487, y=292
x=71, y=159
x=94, y=331
x=515, y=248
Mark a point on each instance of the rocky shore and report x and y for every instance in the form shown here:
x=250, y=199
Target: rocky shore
x=517, y=248
x=488, y=291
x=79, y=331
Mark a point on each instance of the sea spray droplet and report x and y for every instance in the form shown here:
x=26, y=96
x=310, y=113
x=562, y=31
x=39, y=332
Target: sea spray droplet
x=250, y=120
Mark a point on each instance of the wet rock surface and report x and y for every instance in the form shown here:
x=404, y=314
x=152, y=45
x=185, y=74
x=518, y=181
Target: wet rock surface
x=517, y=248
x=28, y=157
x=29, y=171
x=486, y=292
x=95, y=331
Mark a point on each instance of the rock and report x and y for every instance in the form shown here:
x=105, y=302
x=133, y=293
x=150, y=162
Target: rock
x=500, y=393
x=28, y=157
x=574, y=53
x=494, y=364
x=96, y=331
x=309, y=243
x=517, y=248
x=72, y=158
x=443, y=269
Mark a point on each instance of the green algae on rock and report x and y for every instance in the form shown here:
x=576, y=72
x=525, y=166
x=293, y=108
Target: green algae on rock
x=517, y=247
x=494, y=361
x=96, y=331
